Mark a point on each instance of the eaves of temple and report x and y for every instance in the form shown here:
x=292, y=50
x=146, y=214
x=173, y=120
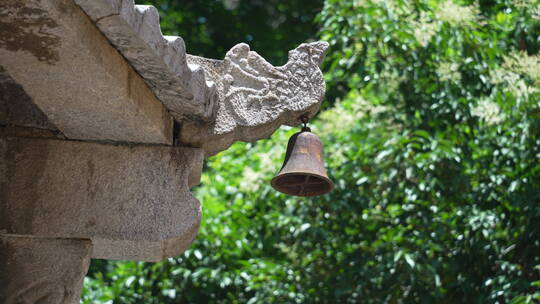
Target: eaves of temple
x=104, y=126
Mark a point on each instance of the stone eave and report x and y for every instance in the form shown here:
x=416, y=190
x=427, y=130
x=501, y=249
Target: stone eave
x=134, y=30
x=195, y=90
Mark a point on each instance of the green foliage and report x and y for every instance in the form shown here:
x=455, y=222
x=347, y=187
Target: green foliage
x=433, y=142
x=210, y=28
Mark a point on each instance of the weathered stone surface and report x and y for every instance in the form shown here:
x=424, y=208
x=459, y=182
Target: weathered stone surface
x=42, y=270
x=256, y=97
x=133, y=202
x=135, y=31
x=242, y=97
x=28, y=132
x=75, y=77
x=17, y=108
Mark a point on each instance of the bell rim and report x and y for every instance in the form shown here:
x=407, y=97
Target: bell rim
x=325, y=178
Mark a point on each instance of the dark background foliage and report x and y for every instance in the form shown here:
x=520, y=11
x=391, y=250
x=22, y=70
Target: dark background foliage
x=432, y=134
x=210, y=28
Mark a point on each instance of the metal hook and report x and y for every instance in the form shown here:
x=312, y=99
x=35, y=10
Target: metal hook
x=305, y=119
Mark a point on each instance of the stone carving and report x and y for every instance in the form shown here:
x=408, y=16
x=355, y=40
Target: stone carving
x=256, y=97
x=242, y=97
x=251, y=85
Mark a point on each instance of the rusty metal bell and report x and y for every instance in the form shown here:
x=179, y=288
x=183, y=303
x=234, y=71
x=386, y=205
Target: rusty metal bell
x=303, y=172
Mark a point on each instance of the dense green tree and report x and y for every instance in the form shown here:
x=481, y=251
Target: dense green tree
x=433, y=142
x=211, y=27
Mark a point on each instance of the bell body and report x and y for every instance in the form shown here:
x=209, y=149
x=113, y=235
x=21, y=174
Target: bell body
x=303, y=172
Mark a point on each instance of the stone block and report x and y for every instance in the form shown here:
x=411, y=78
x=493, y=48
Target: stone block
x=17, y=108
x=75, y=77
x=256, y=97
x=42, y=270
x=133, y=202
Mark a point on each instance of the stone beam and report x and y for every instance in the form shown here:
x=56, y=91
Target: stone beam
x=75, y=77
x=42, y=270
x=17, y=108
x=132, y=202
x=255, y=97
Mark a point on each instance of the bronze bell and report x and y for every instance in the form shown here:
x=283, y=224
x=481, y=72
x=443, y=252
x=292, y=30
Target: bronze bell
x=303, y=172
